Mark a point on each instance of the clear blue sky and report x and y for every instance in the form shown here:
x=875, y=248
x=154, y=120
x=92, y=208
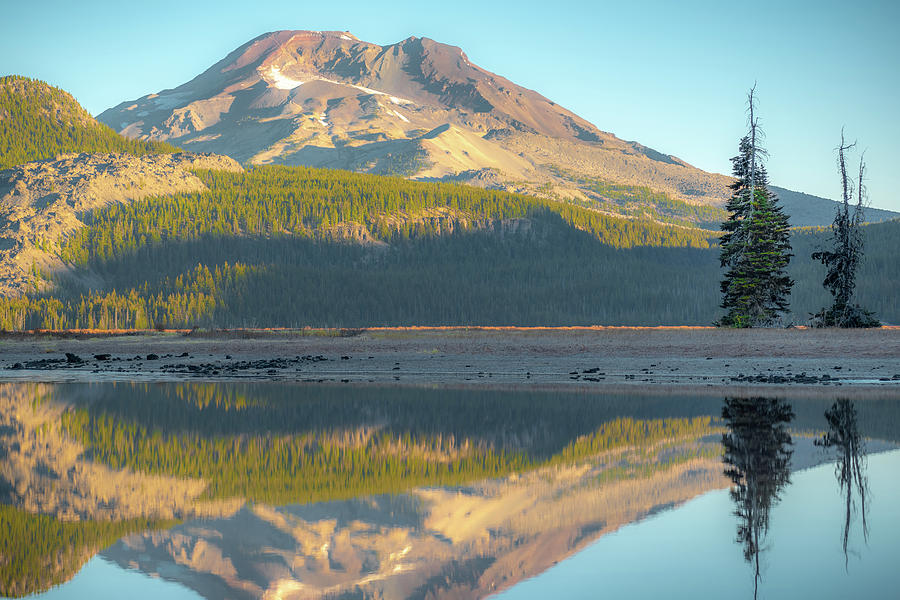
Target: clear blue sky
x=670, y=74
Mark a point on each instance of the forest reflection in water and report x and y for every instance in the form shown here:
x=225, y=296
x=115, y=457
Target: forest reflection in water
x=243, y=490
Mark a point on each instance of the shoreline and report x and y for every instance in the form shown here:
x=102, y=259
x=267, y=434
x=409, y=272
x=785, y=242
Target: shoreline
x=573, y=358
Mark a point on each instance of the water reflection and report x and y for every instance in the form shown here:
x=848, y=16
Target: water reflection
x=256, y=490
x=843, y=435
x=283, y=488
x=757, y=453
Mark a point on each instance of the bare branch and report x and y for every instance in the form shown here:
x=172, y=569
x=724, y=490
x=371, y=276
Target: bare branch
x=751, y=101
x=860, y=190
x=846, y=182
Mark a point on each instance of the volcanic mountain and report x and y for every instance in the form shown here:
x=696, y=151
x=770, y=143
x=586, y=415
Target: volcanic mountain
x=417, y=108
x=422, y=110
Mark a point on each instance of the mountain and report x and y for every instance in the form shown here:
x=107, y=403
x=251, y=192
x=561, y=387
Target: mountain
x=417, y=108
x=805, y=210
x=421, y=109
x=39, y=121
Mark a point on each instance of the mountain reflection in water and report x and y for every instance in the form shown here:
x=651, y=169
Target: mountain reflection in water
x=322, y=491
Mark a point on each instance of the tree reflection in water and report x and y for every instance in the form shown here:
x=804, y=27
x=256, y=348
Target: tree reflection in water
x=843, y=435
x=757, y=457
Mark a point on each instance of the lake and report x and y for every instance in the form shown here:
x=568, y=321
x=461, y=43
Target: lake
x=268, y=490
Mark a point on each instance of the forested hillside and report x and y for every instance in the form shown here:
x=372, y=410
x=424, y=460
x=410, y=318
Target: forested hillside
x=294, y=246
x=39, y=121
x=291, y=202
x=338, y=248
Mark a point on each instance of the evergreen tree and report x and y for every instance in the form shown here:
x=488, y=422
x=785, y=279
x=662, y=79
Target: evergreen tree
x=755, y=245
x=843, y=261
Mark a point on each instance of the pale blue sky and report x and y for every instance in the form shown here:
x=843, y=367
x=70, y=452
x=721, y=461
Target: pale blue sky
x=671, y=75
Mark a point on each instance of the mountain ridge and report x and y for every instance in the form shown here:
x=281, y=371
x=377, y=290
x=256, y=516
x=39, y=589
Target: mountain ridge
x=416, y=108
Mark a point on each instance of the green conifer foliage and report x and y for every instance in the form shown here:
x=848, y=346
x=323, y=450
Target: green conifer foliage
x=39, y=121
x=755, y=245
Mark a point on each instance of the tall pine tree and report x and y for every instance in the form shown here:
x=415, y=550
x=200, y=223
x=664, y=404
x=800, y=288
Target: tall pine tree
x=755, y=245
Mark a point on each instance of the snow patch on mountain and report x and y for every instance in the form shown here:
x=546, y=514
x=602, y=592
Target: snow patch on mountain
x=369, y=90
x=282, y=82
x=393, y=99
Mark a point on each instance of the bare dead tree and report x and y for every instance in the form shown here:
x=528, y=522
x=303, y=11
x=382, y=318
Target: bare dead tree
x=755, y=148
x=844, y=259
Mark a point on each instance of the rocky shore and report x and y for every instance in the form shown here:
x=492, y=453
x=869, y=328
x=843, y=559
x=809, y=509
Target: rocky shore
x=574, y=358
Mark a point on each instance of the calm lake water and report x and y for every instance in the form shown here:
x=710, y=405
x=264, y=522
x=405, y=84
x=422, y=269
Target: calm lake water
x=294, y=491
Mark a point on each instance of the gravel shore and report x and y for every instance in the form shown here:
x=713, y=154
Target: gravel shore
x=572, y=358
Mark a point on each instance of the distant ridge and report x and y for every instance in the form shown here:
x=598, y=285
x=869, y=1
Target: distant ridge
x=806, y=210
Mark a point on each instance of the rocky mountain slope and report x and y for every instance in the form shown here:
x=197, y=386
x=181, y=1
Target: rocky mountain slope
x=43, y=202
x=417, y=108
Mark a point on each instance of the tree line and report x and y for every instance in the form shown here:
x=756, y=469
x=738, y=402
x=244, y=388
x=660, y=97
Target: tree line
x=283, y=451
x=550, y=275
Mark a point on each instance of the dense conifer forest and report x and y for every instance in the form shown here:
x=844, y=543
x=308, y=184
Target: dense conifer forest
x=39, y=121
x=334, y=248
x=274, y=202
x=430, y=254
x=285, y=445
